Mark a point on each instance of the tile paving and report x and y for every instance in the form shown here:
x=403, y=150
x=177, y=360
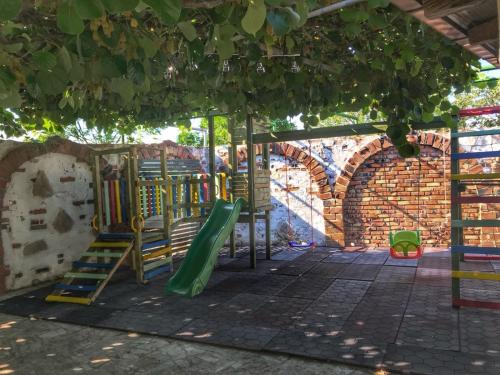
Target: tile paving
x=351, y=307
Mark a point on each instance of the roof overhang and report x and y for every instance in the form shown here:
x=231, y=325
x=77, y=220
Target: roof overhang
x=473, y=24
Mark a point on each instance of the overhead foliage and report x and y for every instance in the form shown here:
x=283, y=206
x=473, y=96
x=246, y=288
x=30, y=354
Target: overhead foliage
x=156, y=61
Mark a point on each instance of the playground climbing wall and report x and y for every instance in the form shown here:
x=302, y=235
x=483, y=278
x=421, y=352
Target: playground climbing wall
x=46, y=205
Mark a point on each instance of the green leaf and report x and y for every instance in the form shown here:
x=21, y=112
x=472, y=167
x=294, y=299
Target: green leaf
x=149, y=46
x=353, y=29
x=13, y=48
x=44, y=60
x=377, y=21
x=123, y=87
x=68, y=20
x=51, y=83
x=89, y=9
x=427, y=116
x=117, y=6
x=278, y=22
x=9, y=9
x=188, y=30
x=302, y=9
x=10, y=99
x=417, y=65
x=64, y=58
x=400, y=64
x=169, y=11
x=255, y=16
x=445, y=105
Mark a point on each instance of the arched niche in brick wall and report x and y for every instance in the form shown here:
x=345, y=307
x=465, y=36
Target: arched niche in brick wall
x=377, y=224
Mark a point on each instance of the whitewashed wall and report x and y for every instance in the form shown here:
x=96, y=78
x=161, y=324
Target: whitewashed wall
x=34, y=250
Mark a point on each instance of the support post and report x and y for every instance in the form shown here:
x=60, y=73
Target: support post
x=266, y=163
x=97, y=193
x=233, y=161
x=456, y=214
x=135, y=218
x=166, y=198
x=211, y=158
x=251, y=202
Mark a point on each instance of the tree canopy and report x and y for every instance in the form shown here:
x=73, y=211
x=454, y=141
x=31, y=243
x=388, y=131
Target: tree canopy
x=119, y=63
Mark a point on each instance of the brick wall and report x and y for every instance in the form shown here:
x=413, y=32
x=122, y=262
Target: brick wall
x=383, y=195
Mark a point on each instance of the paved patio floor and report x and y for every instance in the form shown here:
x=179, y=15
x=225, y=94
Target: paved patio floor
x=360, y=308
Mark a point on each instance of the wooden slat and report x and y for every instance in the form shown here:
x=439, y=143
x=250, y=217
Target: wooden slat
x=158, y=253
x=438, y=8
x=475, y=199
x=106, y=266
x=476, y=133
x=478, y=304
x=474, y=223
x=484, y=32
x=109, y=245
x=475, y=275
x=475, y=176
x=85, y=275
x=475, y=155
x=79, y=300
x=155, y=244
x=156, y=264
x=150, y=274
x=102, y=254
x=338, y=131
x=462, y=249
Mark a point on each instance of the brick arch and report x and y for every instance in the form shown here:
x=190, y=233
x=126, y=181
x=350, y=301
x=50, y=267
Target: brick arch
x=343, y=181
x=319, y=175
x=22, y=153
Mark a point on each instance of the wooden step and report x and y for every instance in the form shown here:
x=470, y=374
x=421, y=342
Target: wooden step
x=105, y=266
x=76, y=287
x=102, y=254
x=85, y=275
x=79, y=300
x=109, y=245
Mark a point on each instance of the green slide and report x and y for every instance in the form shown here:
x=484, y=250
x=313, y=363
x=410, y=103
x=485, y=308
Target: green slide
x=195, y=270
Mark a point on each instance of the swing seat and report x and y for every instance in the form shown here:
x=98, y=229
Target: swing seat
x=405, y=244
x=303, y=245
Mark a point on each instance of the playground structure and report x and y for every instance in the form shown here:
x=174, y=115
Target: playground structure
x=139, y=206
x=152, y=197
x=461, y=183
